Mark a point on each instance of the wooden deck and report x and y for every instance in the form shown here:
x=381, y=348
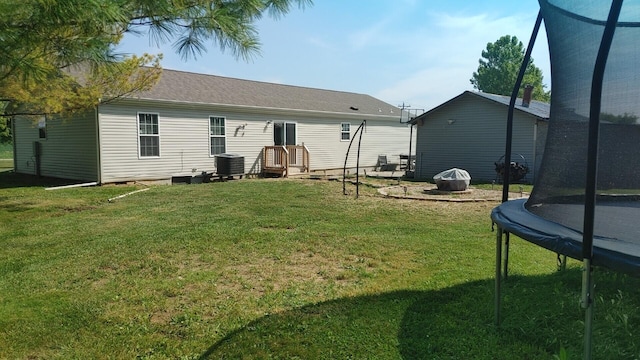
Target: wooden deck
x=285, y=160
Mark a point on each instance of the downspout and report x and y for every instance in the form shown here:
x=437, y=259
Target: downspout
x=98, y=147
x=13, y=142
x=408, y=170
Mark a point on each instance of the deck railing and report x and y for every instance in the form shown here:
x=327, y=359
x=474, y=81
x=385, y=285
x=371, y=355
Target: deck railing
x=281, y=159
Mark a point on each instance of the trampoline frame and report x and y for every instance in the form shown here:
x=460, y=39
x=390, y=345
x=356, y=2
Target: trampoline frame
x=591, y=176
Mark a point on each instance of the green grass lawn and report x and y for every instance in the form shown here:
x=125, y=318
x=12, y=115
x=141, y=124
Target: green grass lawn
x=284, y=269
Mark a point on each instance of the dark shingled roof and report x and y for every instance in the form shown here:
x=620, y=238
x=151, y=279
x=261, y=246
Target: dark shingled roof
x=536, y=108
x=186, y=87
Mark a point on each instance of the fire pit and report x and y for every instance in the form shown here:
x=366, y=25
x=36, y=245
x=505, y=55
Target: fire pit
x=452, y=180
x=518, y=170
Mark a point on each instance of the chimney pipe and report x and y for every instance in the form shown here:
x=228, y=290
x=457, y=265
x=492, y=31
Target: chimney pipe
x=526, y=97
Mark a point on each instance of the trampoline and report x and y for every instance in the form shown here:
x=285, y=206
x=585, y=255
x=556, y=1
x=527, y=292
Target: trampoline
x=585, y=202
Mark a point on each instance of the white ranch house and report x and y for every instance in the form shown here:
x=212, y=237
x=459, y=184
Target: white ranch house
x=179, y=127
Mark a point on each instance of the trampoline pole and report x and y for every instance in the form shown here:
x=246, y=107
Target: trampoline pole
x=507, y=160
x=512, y=104
x=592, y=172
x=562, y=262
x=587, y=304
x=498, y=297
x=506, y=255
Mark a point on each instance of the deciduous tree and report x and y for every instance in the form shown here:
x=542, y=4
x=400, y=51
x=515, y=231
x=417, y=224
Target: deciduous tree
x=623, y=119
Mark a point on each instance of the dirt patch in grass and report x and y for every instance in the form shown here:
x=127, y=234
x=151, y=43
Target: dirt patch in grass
x=273, y=274
x=431, y=192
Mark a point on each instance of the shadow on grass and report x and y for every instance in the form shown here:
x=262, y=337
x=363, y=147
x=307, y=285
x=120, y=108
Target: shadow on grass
x=10, y=179
x=541, y=315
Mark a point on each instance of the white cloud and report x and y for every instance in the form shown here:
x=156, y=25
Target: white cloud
x=320, y=43
x=455, y=23
x=446, y=54
x=427, y=88
x=365, y=37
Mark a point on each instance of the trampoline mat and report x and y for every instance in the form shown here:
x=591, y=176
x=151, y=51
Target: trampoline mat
x=616, y=244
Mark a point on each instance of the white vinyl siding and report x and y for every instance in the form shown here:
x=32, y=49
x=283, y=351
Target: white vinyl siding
x=148, y=135
x=345, y=131
x=327, y=151
x=69, y=150
x=186, y=140
x=217, y=135
x=105, y=147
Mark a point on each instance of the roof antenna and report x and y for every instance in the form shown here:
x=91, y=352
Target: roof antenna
x=402, y=107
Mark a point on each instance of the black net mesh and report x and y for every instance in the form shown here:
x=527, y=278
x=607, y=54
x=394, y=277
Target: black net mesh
x=574, y=31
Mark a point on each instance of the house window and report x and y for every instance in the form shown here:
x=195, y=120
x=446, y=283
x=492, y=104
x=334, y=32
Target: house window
x=217, y=135
x=148, y=135
x=345, y=132
x=42, y=128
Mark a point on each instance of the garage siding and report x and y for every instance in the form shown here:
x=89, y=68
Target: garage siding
x=470, y=134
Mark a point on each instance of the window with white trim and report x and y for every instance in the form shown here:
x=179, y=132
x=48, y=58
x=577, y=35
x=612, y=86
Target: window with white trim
x=148, y=134
x=217, y=135
x=345, y=131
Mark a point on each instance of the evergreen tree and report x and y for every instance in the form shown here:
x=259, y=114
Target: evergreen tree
x=58, y=55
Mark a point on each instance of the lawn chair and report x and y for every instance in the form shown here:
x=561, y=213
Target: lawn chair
x=383, y=164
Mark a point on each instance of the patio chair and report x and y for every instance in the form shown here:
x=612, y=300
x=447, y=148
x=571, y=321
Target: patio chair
x=384, y=165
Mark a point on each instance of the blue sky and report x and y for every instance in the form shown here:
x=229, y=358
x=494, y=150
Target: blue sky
x=417, y=52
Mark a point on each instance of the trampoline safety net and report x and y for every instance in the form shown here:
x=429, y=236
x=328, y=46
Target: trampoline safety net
x=574, y=31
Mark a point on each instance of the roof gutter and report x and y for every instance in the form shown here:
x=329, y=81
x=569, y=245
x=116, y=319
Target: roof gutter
x=261, y=109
